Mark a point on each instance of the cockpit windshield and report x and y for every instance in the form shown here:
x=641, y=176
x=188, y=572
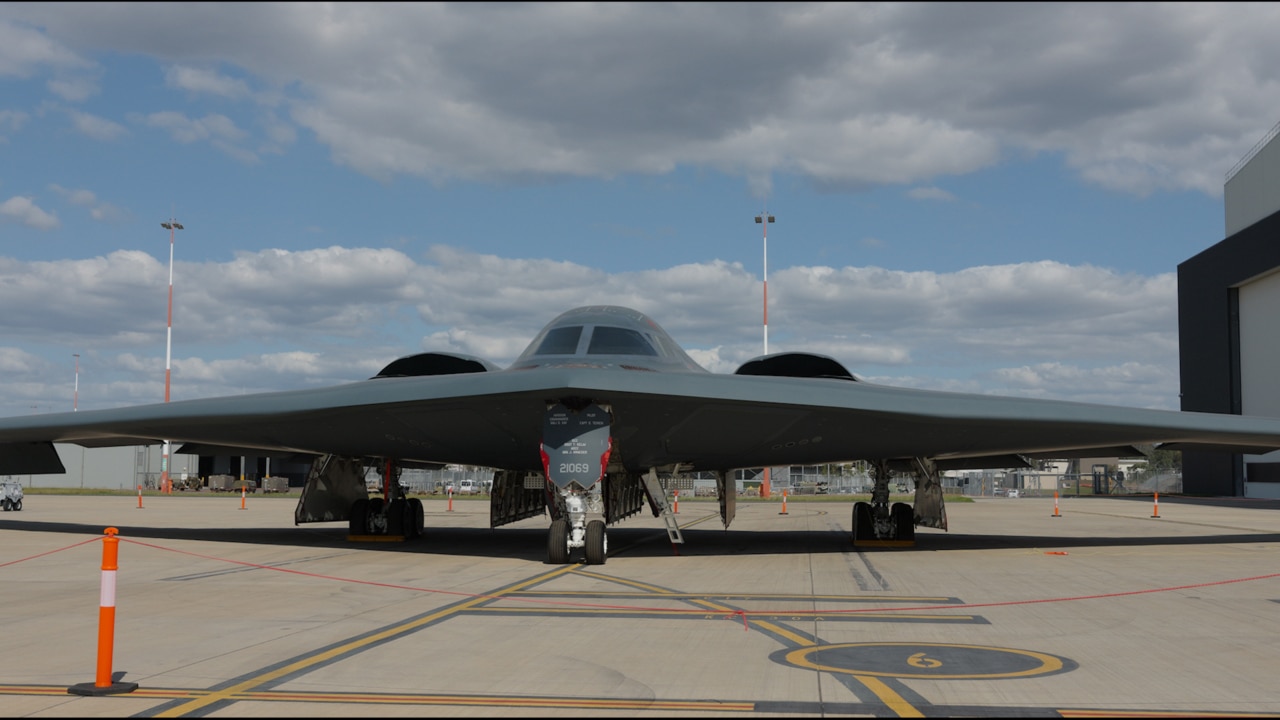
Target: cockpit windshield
x=560, y=341
x=619, y=341
x=605, y=336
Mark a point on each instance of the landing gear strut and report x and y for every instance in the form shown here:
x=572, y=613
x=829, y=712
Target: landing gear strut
x=571, y=530
x=576, y=445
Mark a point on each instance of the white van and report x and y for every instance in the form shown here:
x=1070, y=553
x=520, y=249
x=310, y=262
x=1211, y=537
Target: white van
x=467, y=487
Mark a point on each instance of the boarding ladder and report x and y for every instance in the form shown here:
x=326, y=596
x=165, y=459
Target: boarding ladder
x=659, y=498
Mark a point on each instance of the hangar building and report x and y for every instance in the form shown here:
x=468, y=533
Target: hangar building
x=1229, y=326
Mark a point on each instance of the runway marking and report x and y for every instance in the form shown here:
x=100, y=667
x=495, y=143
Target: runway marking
x=751, y=614
x=61, y=691
x=309, y=661
x=932, y=661
x=881, y=690
x=414, y=699
x=881, y=682
x=748, y=597
x=767, y=707
x=1157, y=714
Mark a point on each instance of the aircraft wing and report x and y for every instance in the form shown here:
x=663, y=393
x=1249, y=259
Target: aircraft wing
x=700, y=420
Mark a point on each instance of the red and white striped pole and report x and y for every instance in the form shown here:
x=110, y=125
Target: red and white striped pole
x=764, y=219
x=676, y=509
x=784, y=502
x=1055, y=504
x=450, y=498
x=242, y=496
x=1156, y=510
x=103, y=684
x=139, y=497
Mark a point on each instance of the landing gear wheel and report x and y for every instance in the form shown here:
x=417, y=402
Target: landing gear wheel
x=416, y=522
x=904, y=522
x=358, y=520
x=376, y=522
x=7, y=508
x=558, y=542
x=597, y=545
x=864, y=527
x=396, y=514
x=17, y=504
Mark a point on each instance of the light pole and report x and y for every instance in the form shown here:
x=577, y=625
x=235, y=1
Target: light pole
x=763, y=220
x=172, y=225
x=75, y=405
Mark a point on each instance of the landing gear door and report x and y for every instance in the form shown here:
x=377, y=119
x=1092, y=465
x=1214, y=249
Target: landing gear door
x=575, y=445
x=727, y=490
x=333, y=485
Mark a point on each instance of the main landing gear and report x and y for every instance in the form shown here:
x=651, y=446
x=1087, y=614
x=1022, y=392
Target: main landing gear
x=396, y=515
x=403, y=517
x=878, y=522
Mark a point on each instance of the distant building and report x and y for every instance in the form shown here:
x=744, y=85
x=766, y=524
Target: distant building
x=111, y=468
x=1229, y=326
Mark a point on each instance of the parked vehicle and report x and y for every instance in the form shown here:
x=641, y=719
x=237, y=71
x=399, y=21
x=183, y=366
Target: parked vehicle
x=467, y=487
x=11, y=494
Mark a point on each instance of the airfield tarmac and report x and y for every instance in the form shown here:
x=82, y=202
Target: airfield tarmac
x=227, y=612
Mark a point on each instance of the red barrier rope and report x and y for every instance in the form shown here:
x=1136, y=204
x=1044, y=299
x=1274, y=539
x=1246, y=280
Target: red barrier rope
x=729, y=613
x=50, y=552
x=744, y=614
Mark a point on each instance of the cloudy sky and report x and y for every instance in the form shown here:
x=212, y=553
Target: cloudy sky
x=985, y=198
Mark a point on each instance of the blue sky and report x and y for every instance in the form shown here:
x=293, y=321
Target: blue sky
x=984, y=198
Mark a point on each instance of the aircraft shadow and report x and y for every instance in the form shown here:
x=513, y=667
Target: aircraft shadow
x=530, y=543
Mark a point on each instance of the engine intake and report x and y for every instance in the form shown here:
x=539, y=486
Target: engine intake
x=435, y=363
x=803, y=365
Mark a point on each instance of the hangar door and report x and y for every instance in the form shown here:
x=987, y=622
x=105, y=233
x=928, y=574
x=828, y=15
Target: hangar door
x=1259, y=302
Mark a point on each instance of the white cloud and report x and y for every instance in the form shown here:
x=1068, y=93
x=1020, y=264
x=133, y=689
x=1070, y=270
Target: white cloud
x=1143, y=384
x=98, y=210
x=219, y=130
x=22, y=210
x=24, y=49
x=11, y=121
x=98, y=128
x=74, y=89
x=280, y=134
x=277, y=319
x=187, y=130
x=1137, y=97
x=200, y=80
x=16, y=362
x=930, y=193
